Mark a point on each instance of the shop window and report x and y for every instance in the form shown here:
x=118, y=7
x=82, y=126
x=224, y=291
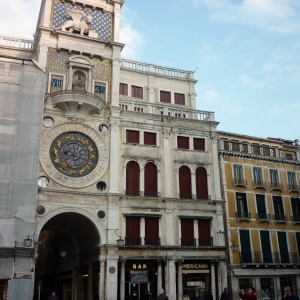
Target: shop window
x=201, y=183
x=183, y=142
x=283, y=247
x=268, y=288
x=150, y=138
x=152, y=231
x=132, y=231
x=123, y=89
x=179, y=99
x=199, y=144
x=165, y=97
x=246, y=255
x=150, y=180
x=187, y=232
x=245, y=283
x=185, y=183
x=204, y=232
x=132, y=179
x=137, y=92
x=265, y=247
x=132, y=136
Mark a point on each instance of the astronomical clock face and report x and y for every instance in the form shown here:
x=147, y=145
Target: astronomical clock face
x=74, y=155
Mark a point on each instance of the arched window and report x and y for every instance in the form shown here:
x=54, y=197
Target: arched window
x=185, y=183
x=201, y=183
x=132, y=178
x=150, y=180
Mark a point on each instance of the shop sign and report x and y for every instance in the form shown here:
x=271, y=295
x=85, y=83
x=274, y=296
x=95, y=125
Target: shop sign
x=139, y=266
x=194, y=283
x=195, y=266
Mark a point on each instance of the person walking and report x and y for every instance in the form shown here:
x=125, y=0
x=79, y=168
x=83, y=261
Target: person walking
x=248, y=296
x=148, y=296
x=288, y=294
x=162, y=295
x=224, y=295
x=53, y=296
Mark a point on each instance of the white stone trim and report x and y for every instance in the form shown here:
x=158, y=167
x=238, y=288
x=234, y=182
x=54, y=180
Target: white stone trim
x=57, y=74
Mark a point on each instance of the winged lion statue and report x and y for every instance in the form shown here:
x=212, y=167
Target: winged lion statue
x=76, y=24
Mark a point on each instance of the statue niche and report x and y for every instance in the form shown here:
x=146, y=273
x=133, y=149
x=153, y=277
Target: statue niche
x=79, y=81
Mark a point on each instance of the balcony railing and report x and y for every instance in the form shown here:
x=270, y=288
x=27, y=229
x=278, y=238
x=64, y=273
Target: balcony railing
x=16, y=42
x=243, y=215
x=188, y=242
x=133, y=193
x=263, y=217
x=294, y=188
x=259, y=184
x=152, y=241
x=240, y=181
x=186, y=196
x=296, y=219
x=280, y=218
x=151, y=194
x=275, y=185
x=269, y=258
x=132, y=241
x=206, y=242
x=203, y=197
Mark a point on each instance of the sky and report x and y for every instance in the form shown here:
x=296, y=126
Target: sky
x=245, y=53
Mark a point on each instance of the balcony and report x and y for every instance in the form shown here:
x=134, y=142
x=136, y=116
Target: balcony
x=259, y=184
x=186, y=196
x=239, y=182
x=263, y=217
x=294, y=188
x=275, y=185
x=206, y=242
x=151, y=194
x=280, y=218
x=242, y=215
x=152, y=241
x=133, y=241
x=16, y=42
x=133, y=193
x=296, y=219
x=84, y=103
x=203, y=197
x=188, y=242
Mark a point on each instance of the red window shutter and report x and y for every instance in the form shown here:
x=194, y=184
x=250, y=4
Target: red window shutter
x=133, y=231
x=150, y=138
x=132, y=136
x=150, y=180
x=201, y=183
x=185, y=183
x=199, y=144
x=179, y=99
x=165, y=97
x=204, y=232
x=152, y=231
x=137, y=92
x=183, y=142
x=132, y=178
x=187, y=232
x=123, y=89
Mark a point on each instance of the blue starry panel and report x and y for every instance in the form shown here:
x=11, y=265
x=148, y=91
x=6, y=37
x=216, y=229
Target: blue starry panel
x=101, y=22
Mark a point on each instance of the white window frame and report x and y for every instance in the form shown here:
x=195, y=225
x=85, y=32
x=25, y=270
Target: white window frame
x=56, y=74
x=106, y=85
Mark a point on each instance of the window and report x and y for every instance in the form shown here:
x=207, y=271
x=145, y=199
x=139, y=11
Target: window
x=226, y=145
x=187, y=232
x=246, y=256
x=132, y=178
x=296, y=209
x=242, y=207
x=204, y=232
x=288, y=156
x=238, y=175
x=266, y=152
x=137, y=92
x=179, y=99
x=123, y=89
x=235, y=147
x=256, y=150
x=298, y=241
x=183, y=142
x=56, y=83
x=261, y=207
x=185, y=184
x=133, y=231
x=152, y=231
x=201, y=183
x=258, y=177
x=199, y=144
x=132, y=136
x=274, y=179
x=278, y=209
x=266, y=246
x=283, y=247
x=292, y=180
x=150, y=178
x=150, y=138
x=165, y=97
x=244, y=148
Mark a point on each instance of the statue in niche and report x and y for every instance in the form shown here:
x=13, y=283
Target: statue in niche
x=79, y=83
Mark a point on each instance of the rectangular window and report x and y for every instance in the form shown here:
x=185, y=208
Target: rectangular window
x=246, y=256
x=292, y=179
x=132, y=231
x=283, y=247
x=235, y=147
x=56, y=83
x=278, y=209
x=238, y=176
x=298, y=241
x=123, y=89
x=261, y=207
x=150, y=138
x=187, y=232
x=165, y=97
x=244, y=148
x=152, y=231
x=179, y=99
x=266, y=246
x=137, y=92
x=132, y=136
x=226, y=145
x=183, y=142
x=274, y=175
x=266, y=152
x=296, y=209
x=242, y=207
x=256, y=149
x=257, y=174
x=199, y=144
x=204, y=232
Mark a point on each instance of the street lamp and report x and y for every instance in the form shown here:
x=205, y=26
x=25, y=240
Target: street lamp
x=233, y=247
x=120, y=242
x=28, y=242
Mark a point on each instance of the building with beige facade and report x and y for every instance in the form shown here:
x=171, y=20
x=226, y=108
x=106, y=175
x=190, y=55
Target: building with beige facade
x=260, y=184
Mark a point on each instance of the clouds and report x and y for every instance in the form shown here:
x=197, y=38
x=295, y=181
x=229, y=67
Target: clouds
x=250, y=82
x=280, y=16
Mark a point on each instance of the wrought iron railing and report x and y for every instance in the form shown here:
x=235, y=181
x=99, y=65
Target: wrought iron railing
x=239, y=181
x=186, y=196
x=263, y=217
x=296, y=219
x=275, y=185
x=188, y=242
x=294, y=187
x=81, y=93
x=206, y=242
x=132, y=241
x=259, y=183
x=243, y=215
x=152, y=241
x=133, y=193
x=279, y=218
x=151, y=194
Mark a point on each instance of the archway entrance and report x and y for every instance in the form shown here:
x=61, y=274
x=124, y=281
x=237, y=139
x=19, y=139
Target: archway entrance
x=67, y=260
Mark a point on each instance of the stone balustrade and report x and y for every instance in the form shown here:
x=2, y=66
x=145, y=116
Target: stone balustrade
x=14, y=42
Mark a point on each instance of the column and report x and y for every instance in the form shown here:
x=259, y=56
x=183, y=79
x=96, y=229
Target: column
x=179, y=283
x=159, y=276
x=166, y=277
x=193, y=178
x=167, y=160
x=257, y=287
x=75, y=282
x=278, y=289
x=117, y=16
x=111, y=287
x=89, y=85
x=70, y=77
x=102, y=280
x=90, y=282
x=297, y=291
x=219, y=281
x=212, y=279
x=142, y=231
x=142, y=180
x=122, y=283
x=172, y=279
x=214, y=139
x=115, y=83
x=223, y=269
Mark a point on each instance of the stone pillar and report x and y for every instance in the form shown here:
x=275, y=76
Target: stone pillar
x=117, y=17
x=278, y=289
x=257, y=287
x=179, y=283
x=212, y=279
x=297, y=291
x=168, y=166
x=69, y=85
x=166, y=277
x=90, y=282
x=193, y=178
x=142, y=231
x=216, y=179
x=142, y=180
x=89, y=84
x=115, y=83
x=75, y=286
x=111, y=288
x=172, y=279
x=122, y=279
x=102, y=280
x=193, y=100
x=223, y=270
x=159, y=276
